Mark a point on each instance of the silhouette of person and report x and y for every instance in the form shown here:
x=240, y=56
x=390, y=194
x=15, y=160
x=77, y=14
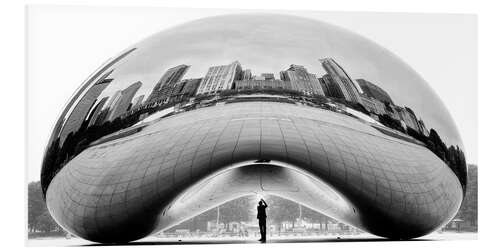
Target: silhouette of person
x=261, y=216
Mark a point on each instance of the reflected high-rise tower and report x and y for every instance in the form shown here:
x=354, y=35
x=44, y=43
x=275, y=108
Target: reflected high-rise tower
x=220, y=78
x=301, y=80
x=190, y=86
x=137, y=101
x=410, y=118
x=81, y=110
x=340, y=77
x=247, y=74
x=97, y=110
x=423, y=129
x=165, y=85
x=331, y=87
x=267, y=76
x=124, y=102
x=374, y=91
x=111, y=105
x=98, y=74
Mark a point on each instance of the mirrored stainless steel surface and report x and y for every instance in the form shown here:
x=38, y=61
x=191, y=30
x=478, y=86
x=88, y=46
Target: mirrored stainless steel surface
x=325, y=108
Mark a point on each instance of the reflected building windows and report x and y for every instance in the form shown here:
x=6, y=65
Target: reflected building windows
x=340, y=77
x=262, y=84
x=247, y=74
x=113, y=104
x=373, y=105
x=137, y=102
x=220, y=78
x=374, y=91
x=267, y=76
x=332, y=88
x=301, y=80
x=97, y=110
x=163, y=89
x=124, y=101
x=81, y=110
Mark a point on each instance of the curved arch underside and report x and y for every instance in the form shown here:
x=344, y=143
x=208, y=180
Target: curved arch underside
x=128, y=188
x=258, y=179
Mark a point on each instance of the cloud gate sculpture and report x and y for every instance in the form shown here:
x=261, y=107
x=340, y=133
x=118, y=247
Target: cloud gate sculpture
x=223, y=107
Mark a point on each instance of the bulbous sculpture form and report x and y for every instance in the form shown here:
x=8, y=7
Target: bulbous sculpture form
x=223, y=107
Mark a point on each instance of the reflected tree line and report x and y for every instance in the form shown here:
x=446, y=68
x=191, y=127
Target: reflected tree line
x=243, y=211
x=468, y=210
x=452, y=155
x=39, y=220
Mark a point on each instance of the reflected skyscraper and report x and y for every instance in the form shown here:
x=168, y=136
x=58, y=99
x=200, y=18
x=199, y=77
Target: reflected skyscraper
x=411, y=119
x=422, y=127
x=301, y=80
x=331, y=87
x=247, y=74
x=178, y=88
x=373, y=105
x=123, y=104
x=190, y=87
x=97, y=110
x=137, y=101
x=262, y=84
x=339, y=76
x=60, y=122
x=220, y=78
x=407, y=116
x=268, y=76
x=112, y=104
x=374, y=91
x=81, y=110
x=165, y=85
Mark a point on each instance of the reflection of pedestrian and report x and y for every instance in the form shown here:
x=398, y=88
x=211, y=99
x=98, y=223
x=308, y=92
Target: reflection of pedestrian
x=261, y=216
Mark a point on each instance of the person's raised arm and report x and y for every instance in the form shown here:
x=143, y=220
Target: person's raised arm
x=263, y=201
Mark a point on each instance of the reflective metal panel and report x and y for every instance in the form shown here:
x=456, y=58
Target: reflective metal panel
x=193, y=100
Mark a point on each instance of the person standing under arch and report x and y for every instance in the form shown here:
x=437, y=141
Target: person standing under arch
x=261, y=216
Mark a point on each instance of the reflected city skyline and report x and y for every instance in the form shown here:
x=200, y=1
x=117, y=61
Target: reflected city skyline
x=219, y=103
x=335, y=88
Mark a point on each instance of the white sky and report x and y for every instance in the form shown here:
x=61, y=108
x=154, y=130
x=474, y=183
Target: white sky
x=66, y=44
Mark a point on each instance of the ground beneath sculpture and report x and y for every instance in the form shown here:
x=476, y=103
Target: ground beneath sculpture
x=248, y=240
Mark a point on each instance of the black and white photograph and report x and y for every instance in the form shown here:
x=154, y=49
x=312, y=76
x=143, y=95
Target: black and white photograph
x=181, y=126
